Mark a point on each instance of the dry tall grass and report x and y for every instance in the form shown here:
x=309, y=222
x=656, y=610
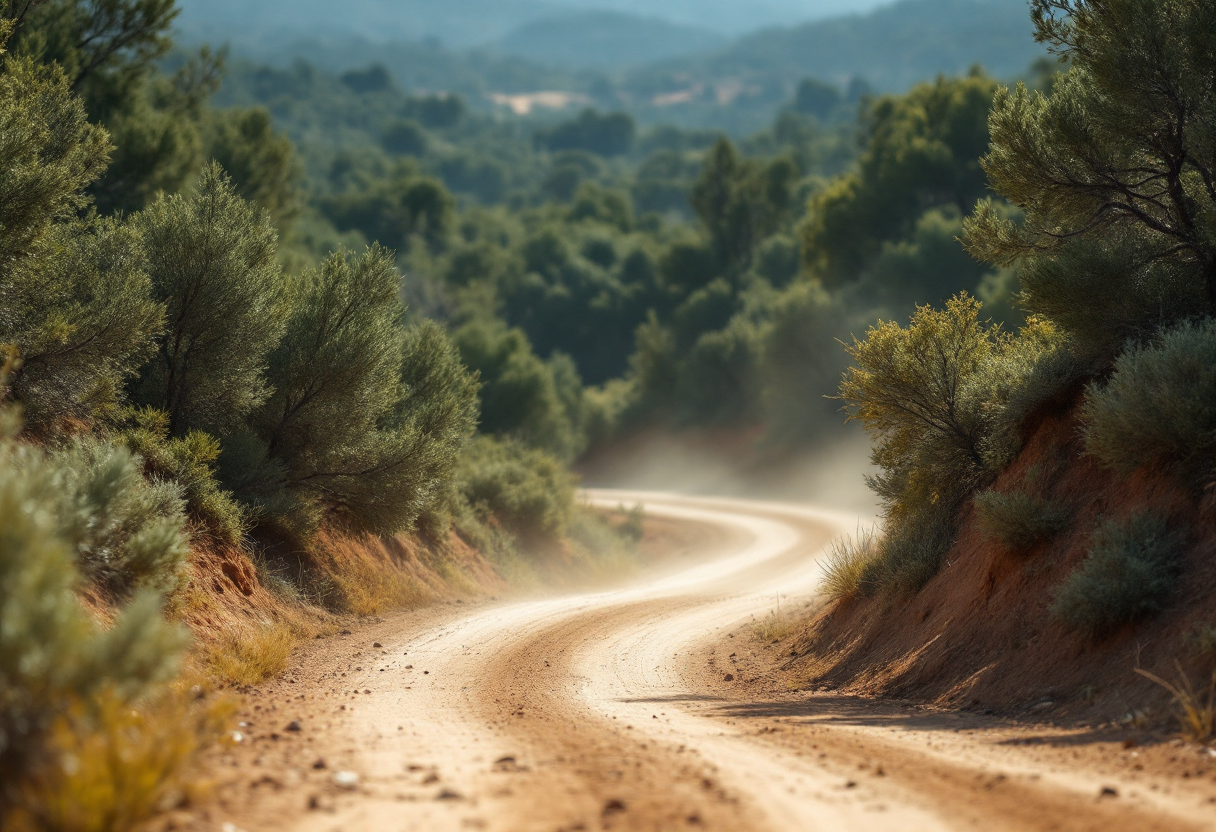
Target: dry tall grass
x=249, y=655
x=848, y=557
x=1196, y=708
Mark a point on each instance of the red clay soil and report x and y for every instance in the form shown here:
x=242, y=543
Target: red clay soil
x=979, y=635
x=224, y=588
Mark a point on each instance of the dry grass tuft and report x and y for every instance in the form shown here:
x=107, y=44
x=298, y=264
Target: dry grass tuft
x=1196, y=709
x=249, y=655
x=114, y=765
x=845, y=566
x=774, y=626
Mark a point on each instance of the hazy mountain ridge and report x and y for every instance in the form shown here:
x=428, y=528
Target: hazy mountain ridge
x=891, y=47
x=468, y=23
x=606, y=40
x=735, y=86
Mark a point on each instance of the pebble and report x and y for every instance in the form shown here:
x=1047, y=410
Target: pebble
x=346, y=780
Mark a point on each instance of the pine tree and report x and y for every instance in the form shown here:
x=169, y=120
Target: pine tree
x=76, y=302
x=367, y=418
x=211, y=257
x=1115, y=168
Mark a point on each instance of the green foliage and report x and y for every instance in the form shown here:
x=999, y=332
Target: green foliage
x=1119, y=150
x=1157, y=406
x=921, y=152
x=366, y=419
x=520, y=397
x=1018, y=520
x=105, y=47
x=50, y=153
x=611, y=134
x=77, y=305
x=260, y=161
x=395, y=211
x=741, y=202
x=211, y=257
x=109, y=50
x=801, y=360
x=124, y=530
x=81, y=314
x=1103, y=294
x=926, y=394
x=918, y=387
x=815, y=98
x=190, y=463
x=373, y=79
x=526, y=490
x=53, y=656
x=914, y=546
x=404, y=138
x=1129, y=573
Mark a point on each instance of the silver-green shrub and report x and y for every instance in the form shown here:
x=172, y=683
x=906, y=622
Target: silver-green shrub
x=124, y=531
x=53, y=656
x=1160, y=403
x=1129, y=573
x=1017, y=520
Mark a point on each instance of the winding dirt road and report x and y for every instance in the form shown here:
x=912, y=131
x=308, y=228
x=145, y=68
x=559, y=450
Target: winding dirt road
x=644, y=708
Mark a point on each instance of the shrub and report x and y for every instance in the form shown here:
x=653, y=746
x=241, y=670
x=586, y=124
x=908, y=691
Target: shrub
x=846, y=561
x=124, y=530
x=1158, y=404
x=913, y=550
x=917, y=386
x=525, y=490
x=119, y=764
x=190, y=463
x=1130, y=571
x=53, y=657
x=367, y=417
x=1017, y=520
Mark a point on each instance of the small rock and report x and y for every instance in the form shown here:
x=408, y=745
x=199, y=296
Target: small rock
x=448, y=794
x=346, y=780
x=1042, y=706
x=614, y=807
x=430, y=779
x=851, y=784
x=343, y=632
x=366, y=691
x=319, y=764
x=294, y=726
x=1130, y=743
x=377, y=644
x=729, y=677
x=1108, y=791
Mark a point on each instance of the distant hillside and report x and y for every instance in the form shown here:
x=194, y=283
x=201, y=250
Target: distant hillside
x=606, y=40
x=891, y=47
x=466, y=23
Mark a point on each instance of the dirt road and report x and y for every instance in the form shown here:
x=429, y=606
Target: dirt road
x=651, y=708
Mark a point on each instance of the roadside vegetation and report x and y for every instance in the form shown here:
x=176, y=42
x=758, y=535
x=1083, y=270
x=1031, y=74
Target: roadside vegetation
x=1104, y=223
x=271, y=328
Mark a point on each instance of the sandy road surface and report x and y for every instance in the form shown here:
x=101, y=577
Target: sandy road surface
x=612, y=710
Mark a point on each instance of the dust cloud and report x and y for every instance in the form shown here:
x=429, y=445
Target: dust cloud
x=830, y=473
